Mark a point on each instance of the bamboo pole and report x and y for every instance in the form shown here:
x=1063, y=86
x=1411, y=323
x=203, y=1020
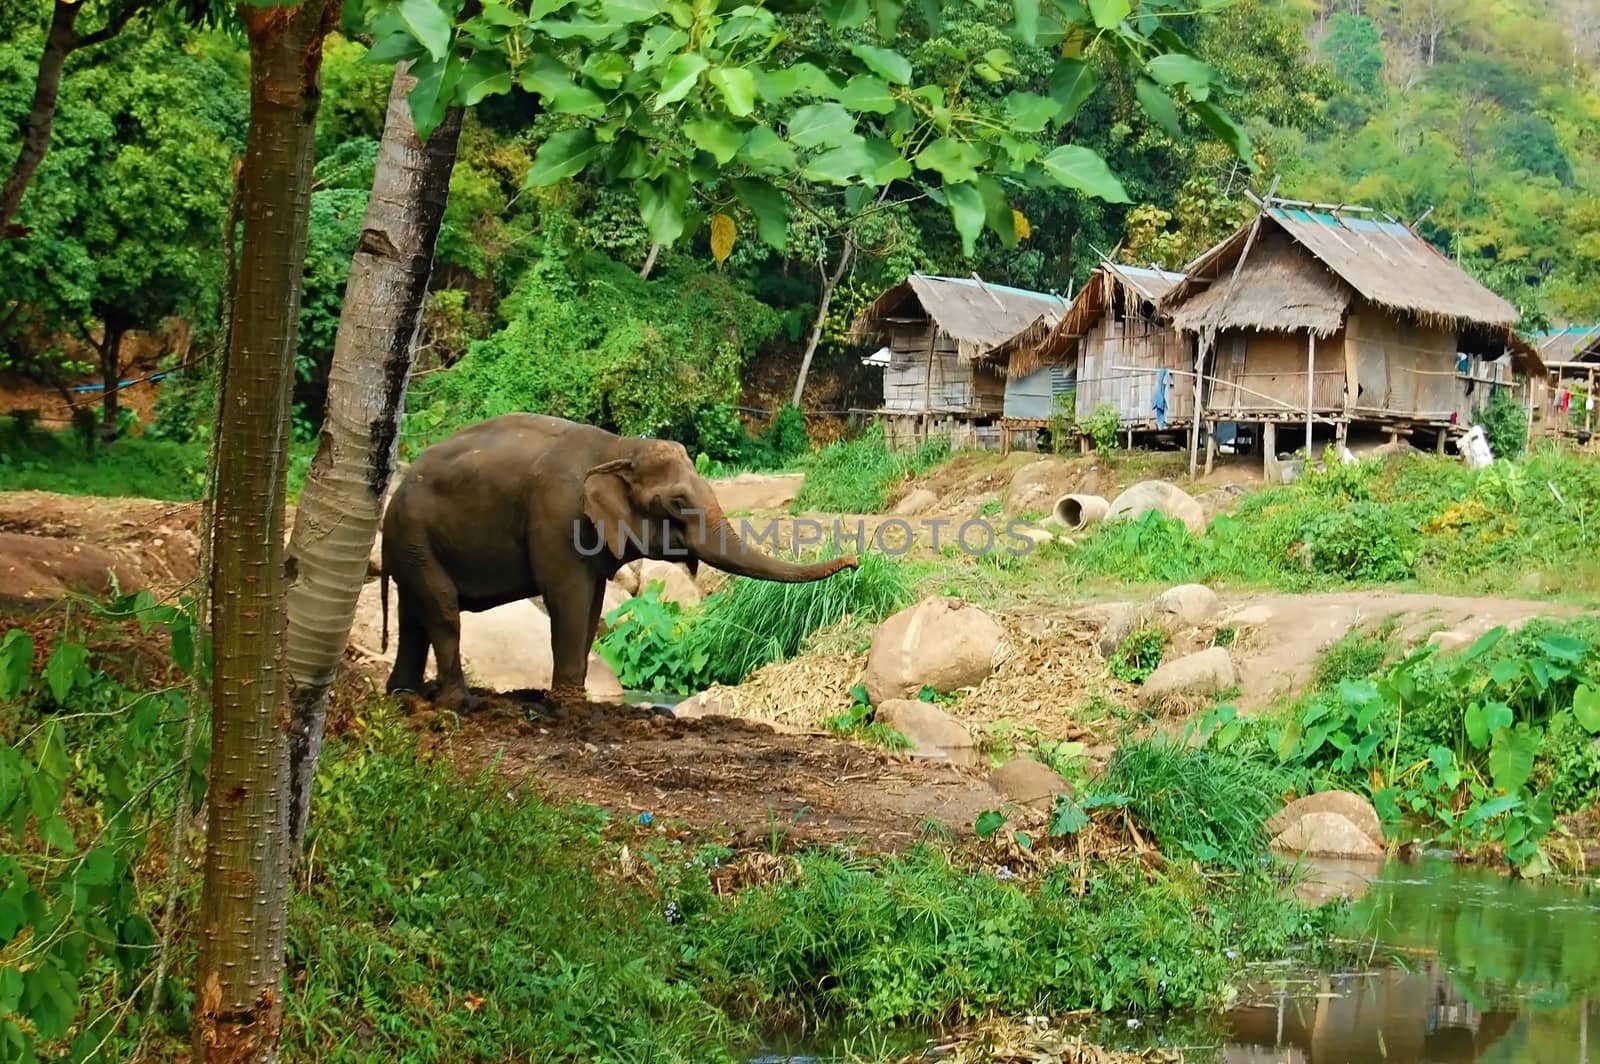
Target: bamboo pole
x=1311, y=378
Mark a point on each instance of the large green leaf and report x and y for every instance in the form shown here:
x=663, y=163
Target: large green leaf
x=1107, y=13
x=484, y=75
x=887, y=163
x=1026, y=13
x=868, y=94
x=1028, y=112
x=765, y=151
x=821, y=125
x=1178, y=69
x=845, y=165
x=1586, y=707
x=562, y=156
x=16, y=663
x=889, y=65
x=661, y=205
x=1511, y=757
x=770, y=208
x=800, y=79
x=429, y=97
x=628, y=11
x=1076, y=167
x=680, y=77
x=967, y=211
x=1223, y=126
x=544, y=75
x=887, y=14
x=738, y=89
x=65, y=670
x=576, y=100
x=955, y=161
x=1072, y=81
x=428, y=24
x=716, y=136
x=1159, y=106
x=846, y=14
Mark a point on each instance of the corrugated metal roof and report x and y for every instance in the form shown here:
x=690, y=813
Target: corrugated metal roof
x=977, y=315
x=1572, y=344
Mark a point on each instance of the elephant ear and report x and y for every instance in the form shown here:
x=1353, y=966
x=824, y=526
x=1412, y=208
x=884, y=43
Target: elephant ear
x=608, y=504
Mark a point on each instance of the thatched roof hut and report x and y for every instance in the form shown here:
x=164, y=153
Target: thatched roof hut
x=974, y=313
x=1052, y=339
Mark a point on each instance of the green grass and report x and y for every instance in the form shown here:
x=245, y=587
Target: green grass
x=854, y=476
x=1210, y=805
x=1359, y=653
x=754, y=622
x=132, y=467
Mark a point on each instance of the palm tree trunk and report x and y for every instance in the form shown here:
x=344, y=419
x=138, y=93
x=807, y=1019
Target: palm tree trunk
x=110, y=377
x=342, y=502
x=239, y=983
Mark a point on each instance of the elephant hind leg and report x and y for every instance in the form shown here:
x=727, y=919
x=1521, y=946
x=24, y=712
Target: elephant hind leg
x=427, y=587
x=411, y=651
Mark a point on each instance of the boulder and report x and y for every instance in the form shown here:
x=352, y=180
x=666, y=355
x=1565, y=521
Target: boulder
x=1352, y=807
x=1037, y=485
x=1117, y=621
x=1025, y=781
x=758, y=491
x=1249, y=616
x=1219, y=500
x=506, y=649
x=627, y=578
x=614, y=597
x=1449, y=641
x=932, y=732
x=47, y=567
x=914, y=503
x=1186, y=606
x=939, y=643
x=678, y=585
x=1326, y=835
x=1036, y=536
x=1162, y=497
x=1209, y=672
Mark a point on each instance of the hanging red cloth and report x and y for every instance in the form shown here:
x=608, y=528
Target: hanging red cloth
x=1565, y=401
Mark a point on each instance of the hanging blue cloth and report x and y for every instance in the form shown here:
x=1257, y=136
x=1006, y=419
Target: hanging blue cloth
x=1160, y=403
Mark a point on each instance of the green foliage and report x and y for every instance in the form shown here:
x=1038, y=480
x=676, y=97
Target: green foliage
x=1356, y=655
x=1504, y=423
x=1207, y=804
x=1137, y=656
x=89, y=771
x=858, y=722
x=1462, y=744
x=1354, y=47
x=1101, y=428
x=587, y=339
x=655, y=646
x=854, y=476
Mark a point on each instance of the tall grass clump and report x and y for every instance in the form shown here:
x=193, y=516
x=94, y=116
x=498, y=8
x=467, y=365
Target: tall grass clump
x=1207, y=804
x=854, y=476
x=755, y=622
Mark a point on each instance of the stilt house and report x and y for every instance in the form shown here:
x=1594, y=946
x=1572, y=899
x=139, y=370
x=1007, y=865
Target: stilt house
x=1330, y=316
x=937, y=331
x=1113, y=347
x=1567, y=405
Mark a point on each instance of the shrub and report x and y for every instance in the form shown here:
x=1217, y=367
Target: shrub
x=1504, y=423
x=1139, y=654
x=1364, y=542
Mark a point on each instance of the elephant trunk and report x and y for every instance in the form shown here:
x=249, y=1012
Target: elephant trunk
x=716, y=543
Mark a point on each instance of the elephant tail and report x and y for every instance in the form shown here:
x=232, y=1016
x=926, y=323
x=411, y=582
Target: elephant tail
x=383, y=590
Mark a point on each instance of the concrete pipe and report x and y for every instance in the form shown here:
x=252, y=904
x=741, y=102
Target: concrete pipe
x=1077, y=512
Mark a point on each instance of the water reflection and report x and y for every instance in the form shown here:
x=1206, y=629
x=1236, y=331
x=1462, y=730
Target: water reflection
x=1497, y=971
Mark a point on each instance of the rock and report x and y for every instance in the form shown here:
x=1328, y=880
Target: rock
x=1025, y=781
x=1249, y=616
x=1037, y=536
x=1346, y=804
x=939, y=643
x=933, y=733
x=1037, y=485
x=507, y=648
x=915, y=503
x=1118, y=620
x=704, y=704
x=1162, y=497
x=46, y=567
x=627, y=578
x=1326, y=835
x=678, y=587
x=1186, y=606
x=1219, y=500
x=1449, y=641
x=1209, y=672
x=614, y=597
x=758, y=491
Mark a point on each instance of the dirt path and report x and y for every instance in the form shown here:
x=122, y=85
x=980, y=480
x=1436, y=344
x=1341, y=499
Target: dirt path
x=741, y=779
x=1278, y=652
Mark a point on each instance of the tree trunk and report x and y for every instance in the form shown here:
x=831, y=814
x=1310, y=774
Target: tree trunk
x=35, y=131
x=830, y=282
x=239, y=983
x=649, y=261
x=110, y=376
x=342, y=502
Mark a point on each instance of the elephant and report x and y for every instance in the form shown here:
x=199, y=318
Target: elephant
x=527, y=505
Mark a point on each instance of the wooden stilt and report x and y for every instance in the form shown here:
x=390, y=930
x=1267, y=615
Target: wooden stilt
x=1341, y=435
x=1211, y=446
x=1438, y=441
x=1269, y=452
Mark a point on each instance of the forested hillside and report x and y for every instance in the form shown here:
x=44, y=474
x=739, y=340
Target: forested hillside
x=1480, y=117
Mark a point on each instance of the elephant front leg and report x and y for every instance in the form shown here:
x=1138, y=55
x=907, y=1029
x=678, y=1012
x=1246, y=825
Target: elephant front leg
x=572, y=624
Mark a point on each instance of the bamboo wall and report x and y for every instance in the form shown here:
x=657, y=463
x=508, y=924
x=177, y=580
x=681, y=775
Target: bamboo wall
x=1263, y=375
x=1401, y=369
x=925, y=373
x=1117, y=363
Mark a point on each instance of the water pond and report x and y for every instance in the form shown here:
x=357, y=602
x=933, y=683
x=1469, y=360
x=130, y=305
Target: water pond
x=1485, y=970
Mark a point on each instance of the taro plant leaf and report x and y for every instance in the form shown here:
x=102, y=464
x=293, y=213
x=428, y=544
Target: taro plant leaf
x=1564, y=648
x=1511, y=757
x=1586, y=707
x=1477, y=729
x=1485, y=643
x=989, y=822
x=1076, y=167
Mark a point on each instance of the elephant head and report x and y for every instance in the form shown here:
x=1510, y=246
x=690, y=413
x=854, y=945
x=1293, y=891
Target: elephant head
x=651, y=500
